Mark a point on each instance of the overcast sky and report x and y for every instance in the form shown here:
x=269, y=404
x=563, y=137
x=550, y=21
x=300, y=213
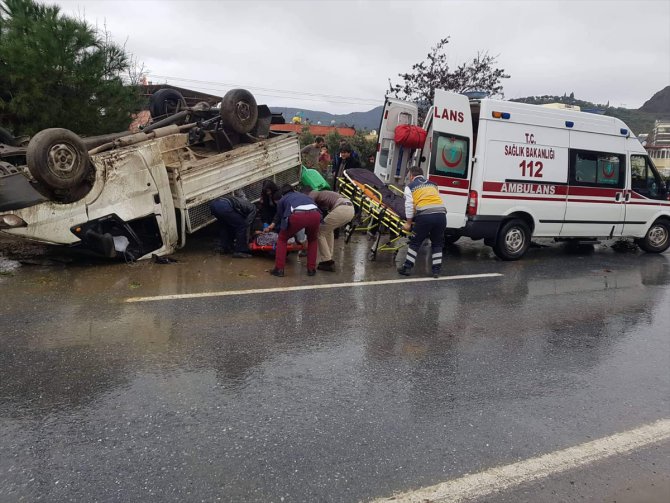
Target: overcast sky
x=338, y=56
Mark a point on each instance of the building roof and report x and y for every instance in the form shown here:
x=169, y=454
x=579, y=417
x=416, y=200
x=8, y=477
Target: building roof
x=314, y=129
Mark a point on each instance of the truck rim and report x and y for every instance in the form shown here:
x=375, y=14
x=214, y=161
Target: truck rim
x=243, y=110
x=62, y=159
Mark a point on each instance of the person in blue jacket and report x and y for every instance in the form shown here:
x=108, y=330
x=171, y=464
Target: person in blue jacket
x=295, y=211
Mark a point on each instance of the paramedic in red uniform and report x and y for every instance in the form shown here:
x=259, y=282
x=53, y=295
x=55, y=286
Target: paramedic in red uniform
x=295, y=211
x=424, y=207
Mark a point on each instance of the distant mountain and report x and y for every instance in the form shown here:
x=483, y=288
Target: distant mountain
x=360, y=120
x=659, y=103
x=640, y=120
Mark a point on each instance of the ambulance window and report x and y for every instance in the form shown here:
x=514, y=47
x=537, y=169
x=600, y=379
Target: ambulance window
x=384, y=151
x=402, y=118
x=645, y=180
x=449, y=156
x=596, y=169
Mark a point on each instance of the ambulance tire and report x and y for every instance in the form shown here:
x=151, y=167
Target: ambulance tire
x=657, y=239
x=513, y=240
x=450, y=239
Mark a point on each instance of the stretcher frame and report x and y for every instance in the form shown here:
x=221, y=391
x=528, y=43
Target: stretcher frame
x=254, y=247
x=374, y=216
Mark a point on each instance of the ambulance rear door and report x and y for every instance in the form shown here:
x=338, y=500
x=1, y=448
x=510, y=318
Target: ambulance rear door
x=450, y=147
x=392, y=161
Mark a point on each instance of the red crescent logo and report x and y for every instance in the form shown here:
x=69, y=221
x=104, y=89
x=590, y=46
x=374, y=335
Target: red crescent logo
x=452, y=164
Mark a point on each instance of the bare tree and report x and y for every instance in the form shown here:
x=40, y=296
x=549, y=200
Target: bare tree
x=479, y=74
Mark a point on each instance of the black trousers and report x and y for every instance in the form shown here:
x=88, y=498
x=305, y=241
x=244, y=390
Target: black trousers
x=233, y=228
x=430, y=226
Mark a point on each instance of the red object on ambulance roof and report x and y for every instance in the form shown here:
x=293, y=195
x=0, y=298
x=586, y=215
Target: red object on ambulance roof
x=409, y=136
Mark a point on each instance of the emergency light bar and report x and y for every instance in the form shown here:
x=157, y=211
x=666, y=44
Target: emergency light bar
x=501, y=115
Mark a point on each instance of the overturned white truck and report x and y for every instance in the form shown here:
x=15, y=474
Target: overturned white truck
x=139, y=195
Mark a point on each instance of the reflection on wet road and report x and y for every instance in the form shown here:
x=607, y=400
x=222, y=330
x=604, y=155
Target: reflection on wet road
x=342, y=394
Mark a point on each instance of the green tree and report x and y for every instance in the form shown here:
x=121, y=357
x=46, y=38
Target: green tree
x=479, y=74
x=362, y=145
x=306, y=136
x=57, y=71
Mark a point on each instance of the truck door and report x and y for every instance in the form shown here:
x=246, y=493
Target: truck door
x=596, y=182
x=450, y=146
x=392, y=161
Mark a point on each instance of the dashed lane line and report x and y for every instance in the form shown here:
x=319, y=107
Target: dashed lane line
x=354, y=284
x=483, y=484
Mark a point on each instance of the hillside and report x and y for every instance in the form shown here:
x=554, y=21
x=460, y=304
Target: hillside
x=360, y=120
x=659, y=103
x=639, y=121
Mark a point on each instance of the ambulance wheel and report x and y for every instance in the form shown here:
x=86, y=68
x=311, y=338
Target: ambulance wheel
x=657, y=239
x=450, y=239
x=239, y=110
x=513, y=240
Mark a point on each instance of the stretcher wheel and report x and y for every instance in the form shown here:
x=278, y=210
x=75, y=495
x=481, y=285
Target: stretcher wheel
x=348, y=232
x=372, y=256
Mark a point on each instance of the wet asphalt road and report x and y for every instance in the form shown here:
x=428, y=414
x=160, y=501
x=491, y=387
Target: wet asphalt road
x=345, y=394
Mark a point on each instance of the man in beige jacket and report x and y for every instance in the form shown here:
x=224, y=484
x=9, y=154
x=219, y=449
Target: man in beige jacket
x=339, y=211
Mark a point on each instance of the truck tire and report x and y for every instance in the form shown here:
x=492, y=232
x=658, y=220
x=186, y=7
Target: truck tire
x=239, y=110
x=657, y=239
x=58, y=159
x=513, y=240
x=165, y=102
x=7, y=138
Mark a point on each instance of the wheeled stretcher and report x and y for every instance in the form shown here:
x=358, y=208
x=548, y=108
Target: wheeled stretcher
x=379, y=210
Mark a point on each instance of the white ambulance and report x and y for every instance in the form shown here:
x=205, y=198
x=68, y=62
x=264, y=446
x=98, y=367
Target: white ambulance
x=511, y=171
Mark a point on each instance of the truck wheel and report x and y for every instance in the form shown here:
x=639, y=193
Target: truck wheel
x=58, y=159
x=239, y=110
x=513, y=240
x=657, y=239
x=7, y=138
x=166, y=102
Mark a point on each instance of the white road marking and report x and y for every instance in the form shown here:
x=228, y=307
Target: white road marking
x=230, y=293
x=497, y=479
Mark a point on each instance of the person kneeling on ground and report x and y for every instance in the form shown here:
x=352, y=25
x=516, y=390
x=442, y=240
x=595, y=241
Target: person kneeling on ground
x=295, y=211
x=339, y=211
x=235, y=216
x=424, y=207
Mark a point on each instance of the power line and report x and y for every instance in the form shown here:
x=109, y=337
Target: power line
x=295, y=94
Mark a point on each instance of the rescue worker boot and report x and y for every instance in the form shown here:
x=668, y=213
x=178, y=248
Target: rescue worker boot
x=405, y=270
x=436, y=272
